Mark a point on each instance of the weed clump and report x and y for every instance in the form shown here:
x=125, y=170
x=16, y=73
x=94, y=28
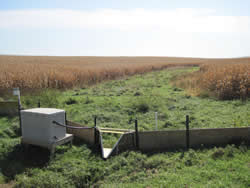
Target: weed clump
x=49, y=98
x=137, y=93
x=46, y=179
x=190, y=158
x=70, y=101
x=168, y=124
x=218, y=153
x=140, y=105
x=88, y=100
x=143, y=107
x=154, y=162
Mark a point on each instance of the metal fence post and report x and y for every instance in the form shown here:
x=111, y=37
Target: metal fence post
x=187, y=131
x=16, y=92
x=156, y=119
x=95, y=121
x=95, y=129
x=19, y=114
x=136, y=135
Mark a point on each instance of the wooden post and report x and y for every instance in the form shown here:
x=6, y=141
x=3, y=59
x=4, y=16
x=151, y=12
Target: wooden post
x=39, y=104
x=136, y=135
x=187, y=132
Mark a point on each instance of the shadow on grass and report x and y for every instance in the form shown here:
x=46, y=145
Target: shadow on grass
x=21, y=158
x=95, y=149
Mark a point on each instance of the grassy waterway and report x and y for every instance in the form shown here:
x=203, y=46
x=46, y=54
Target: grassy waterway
x=116, y=104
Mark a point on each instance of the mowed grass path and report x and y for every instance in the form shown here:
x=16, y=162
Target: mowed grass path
x=117, y=103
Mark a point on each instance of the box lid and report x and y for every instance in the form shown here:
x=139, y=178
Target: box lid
x=47, y=111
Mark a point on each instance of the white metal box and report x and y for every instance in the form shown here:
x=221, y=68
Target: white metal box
x=38, y=129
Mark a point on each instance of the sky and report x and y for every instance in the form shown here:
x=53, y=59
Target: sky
x=181, y=28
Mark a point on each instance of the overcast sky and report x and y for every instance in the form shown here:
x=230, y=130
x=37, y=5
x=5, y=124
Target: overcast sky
x=194, y=28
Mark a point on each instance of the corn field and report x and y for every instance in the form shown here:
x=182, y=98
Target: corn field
x=224, y=80
x=27, y=72
x=230, y=81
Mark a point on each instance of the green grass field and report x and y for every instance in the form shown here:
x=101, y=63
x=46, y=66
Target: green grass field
x=116, y=104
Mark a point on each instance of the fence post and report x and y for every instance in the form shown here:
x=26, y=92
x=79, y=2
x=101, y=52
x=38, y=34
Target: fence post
x=136, y=135
x=39, y=104
x=156, y=119
x=19, y=114
x=187, y=132
x=16, y=92
x=65, y=117
x=95, y=121
x=95, y=129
